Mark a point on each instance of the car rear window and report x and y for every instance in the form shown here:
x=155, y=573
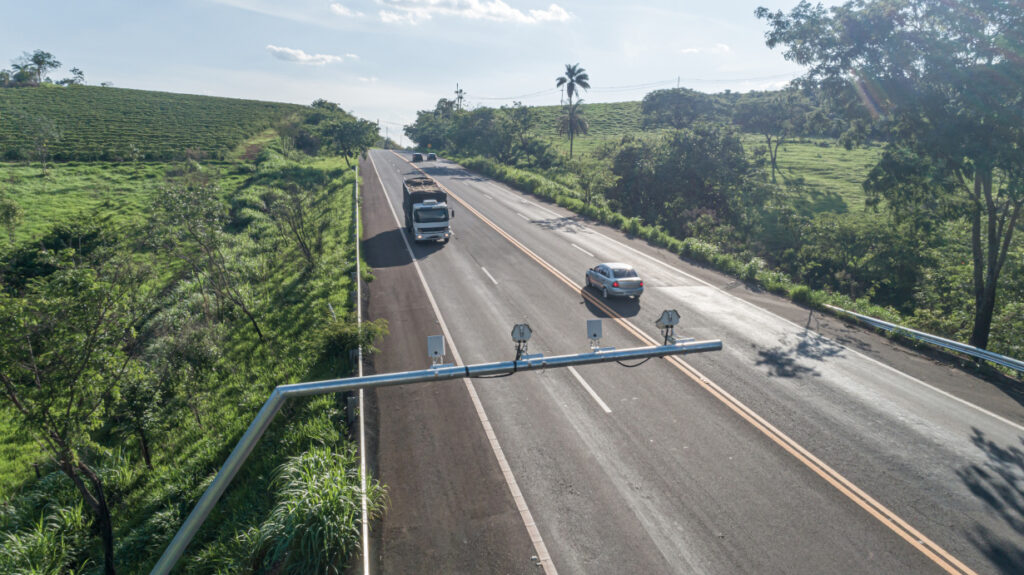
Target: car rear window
x=624, y=273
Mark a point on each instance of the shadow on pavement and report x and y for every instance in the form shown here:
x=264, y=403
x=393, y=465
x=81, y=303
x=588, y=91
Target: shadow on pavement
x=568, y=224
x=386, y=250
x=782, y=361
x=455, y=174
x=625, y=307
x=999, y=483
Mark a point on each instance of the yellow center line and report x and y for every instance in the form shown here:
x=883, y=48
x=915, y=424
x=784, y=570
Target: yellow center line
x=926, y=546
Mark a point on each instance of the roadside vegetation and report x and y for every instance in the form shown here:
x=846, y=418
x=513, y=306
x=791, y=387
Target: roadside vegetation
x=147, y=309
x=896, y=192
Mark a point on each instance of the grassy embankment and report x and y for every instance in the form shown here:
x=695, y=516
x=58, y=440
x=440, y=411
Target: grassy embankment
x=291, y=300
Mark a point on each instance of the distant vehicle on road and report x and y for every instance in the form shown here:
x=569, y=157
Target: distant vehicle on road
x=431, y=157
x=417, y=157
x=615, y=279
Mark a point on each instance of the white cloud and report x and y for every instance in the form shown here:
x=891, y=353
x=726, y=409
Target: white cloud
x=396, y=18
x=294, y=55
x=341, y=10
x=416, y=11
x=352, y=56
x=716, y=49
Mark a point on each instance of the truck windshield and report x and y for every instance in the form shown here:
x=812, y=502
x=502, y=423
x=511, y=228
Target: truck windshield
x=431, y=215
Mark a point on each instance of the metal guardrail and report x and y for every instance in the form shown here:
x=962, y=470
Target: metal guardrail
x=935, y=340
x=283, y=393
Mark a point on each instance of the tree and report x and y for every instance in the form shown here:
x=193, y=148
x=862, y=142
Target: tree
x=347, y=136
x=572, y=122
x=460, y=95
x=775, y=116
x=62, y=360
x=10, y=215
x=77, y=78
x=137, y=410
x=676, y=108
x=294, y=210
x=948, y=80
x=40, y=63
x=189, y=222
x=43, y=132
x=575, y=79
x=23, y=73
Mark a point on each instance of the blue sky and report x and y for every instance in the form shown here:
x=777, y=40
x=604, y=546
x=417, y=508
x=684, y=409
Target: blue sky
x=385, y=59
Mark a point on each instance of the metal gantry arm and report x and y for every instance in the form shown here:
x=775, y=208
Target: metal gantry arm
x=283, y=393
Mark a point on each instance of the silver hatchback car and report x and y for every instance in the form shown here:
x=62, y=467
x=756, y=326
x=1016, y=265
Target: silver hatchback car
x=615, y=279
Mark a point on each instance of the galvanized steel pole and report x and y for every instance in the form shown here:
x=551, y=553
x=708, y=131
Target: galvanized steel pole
x=283, y=393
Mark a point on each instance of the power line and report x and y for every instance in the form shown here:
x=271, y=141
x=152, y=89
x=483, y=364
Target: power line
x=644, y=86
x=523, y=97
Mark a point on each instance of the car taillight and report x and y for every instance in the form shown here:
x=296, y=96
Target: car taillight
x=615, y=284
x=641, y=284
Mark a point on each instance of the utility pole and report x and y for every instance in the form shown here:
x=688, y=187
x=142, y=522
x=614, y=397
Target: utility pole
x=458, y=97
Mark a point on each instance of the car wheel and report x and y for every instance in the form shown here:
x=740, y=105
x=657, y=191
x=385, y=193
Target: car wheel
x=604, y=292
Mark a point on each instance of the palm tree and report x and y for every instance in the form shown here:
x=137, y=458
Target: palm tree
x=572, y=122
x=574, y=79
x=459, y=95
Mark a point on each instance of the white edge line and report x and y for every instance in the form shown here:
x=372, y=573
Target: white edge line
x=362, y=421
x=488, y=274
x=592, y=393
x=582, y=250
x=794, y=324
x=524, y=511
x=540, y=207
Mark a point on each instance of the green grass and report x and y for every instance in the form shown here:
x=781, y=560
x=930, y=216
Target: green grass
x=94, y=123
x=606, y=121
x=17, y=454
x=292, y=304
x=833, y=174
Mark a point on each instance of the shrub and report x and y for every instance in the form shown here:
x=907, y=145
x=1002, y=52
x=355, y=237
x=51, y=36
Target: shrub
x=315, y=525
x=55, y=544
x=801, y=294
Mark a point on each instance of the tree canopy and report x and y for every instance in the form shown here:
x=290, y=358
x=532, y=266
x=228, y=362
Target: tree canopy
x=947, y=78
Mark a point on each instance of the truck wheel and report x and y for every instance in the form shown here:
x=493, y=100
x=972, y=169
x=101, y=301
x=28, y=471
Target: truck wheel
x=446, y=240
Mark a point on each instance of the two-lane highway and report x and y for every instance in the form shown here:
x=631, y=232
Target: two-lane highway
x=789, y=451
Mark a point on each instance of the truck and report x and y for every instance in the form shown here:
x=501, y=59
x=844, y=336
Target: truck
x=426, y=209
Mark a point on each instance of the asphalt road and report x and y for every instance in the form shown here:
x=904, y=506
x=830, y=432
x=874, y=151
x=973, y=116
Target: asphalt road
x=804, y=446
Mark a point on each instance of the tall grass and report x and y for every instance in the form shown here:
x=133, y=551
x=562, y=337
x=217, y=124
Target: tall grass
x=316, y=521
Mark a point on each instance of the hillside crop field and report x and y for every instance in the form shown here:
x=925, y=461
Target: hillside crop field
x=89, y=123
